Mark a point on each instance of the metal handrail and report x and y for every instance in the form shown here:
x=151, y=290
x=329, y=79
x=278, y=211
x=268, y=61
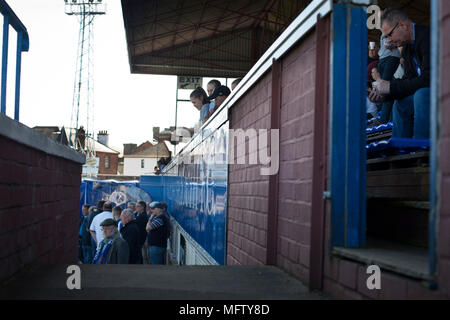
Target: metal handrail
x=23, y=44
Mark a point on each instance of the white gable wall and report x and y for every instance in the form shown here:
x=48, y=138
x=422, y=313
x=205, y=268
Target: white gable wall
x=132, y=166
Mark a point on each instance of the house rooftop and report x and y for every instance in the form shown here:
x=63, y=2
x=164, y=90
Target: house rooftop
x=159, y=150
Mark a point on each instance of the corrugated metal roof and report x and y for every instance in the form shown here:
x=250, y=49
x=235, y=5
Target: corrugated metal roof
x=215, y=38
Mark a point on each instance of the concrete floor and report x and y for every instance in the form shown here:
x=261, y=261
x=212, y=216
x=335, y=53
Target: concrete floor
x=161, y=283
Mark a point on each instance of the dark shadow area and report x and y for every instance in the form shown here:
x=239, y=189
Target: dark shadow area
x=139, y=282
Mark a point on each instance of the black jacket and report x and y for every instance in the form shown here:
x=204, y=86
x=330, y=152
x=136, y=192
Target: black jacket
x=141, y=221
x=412, y=82
x=158, y=237
x=85, y=235
x=130, y=232
x=92, y=215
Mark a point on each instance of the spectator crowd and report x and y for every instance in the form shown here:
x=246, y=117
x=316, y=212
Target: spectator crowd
x=398, y=91
x=109, y=234
x=208, y=103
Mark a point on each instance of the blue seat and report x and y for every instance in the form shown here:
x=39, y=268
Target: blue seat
x=396, y=146
x=380, y=128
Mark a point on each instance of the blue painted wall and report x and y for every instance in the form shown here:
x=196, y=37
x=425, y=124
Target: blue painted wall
x=118, y=192
x=348, y=126
x=196, y=192
x=153, y=185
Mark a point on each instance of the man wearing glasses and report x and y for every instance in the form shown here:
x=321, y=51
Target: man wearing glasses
x=387, y=66
x=411, y=112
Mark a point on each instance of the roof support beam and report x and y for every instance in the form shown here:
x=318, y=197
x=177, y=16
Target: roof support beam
x=166, y=15
x=199, y=44
x=154, y=24
x=263, y=14
x=197, y=27
x=180, y=5
x=186, y=29
x=222, y=14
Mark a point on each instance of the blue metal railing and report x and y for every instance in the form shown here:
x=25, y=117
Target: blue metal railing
x=23, y=43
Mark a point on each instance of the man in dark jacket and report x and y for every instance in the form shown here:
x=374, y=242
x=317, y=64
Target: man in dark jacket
x=85, y=236
x=130, y=232
x=158, y=228
x=113, y=249
x=141, y=220
x=92, y=214
x=411, y=114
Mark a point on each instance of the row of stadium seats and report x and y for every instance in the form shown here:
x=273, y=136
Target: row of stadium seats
x=381, y=144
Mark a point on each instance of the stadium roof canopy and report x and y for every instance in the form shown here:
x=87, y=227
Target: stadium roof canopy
x=209, y=38
x=217, y=38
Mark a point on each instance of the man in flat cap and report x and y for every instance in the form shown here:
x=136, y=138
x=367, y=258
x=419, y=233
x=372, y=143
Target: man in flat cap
x=95, y=227
x=113, y=249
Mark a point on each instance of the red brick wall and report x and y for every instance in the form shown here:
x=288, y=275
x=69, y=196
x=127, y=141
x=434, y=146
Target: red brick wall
x=296, y=149
x=113, y=163
x=247, y=224
x=249, y=191
x=347, y=279
x=444, y=153
x=39, y=208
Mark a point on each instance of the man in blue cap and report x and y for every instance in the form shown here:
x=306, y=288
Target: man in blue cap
x=219, y=95
x=158, y=228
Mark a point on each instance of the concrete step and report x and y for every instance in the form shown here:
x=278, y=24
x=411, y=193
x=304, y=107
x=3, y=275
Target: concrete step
x=139, y=282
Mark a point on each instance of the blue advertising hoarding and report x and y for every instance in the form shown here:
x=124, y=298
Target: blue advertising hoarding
x=153, y=185
x=195, y=189
x=117, y=192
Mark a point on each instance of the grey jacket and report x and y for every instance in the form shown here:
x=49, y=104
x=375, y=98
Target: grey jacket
x=119, y=253
x=384, y=52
